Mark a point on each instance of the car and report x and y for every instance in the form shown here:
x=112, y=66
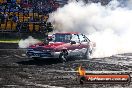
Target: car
x=62, y=46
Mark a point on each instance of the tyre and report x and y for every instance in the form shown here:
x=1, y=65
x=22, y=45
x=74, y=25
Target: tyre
x=63, y=56
x=87, y=54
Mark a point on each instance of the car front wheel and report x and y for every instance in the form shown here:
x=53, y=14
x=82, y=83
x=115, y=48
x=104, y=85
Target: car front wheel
x=63, y=56
x=87, y=54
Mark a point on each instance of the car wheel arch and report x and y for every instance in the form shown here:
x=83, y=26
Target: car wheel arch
x=63, y=55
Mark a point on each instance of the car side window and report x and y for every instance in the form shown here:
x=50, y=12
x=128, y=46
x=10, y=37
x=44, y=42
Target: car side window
x=82, y=38
x=75, y=38
x=86, y=39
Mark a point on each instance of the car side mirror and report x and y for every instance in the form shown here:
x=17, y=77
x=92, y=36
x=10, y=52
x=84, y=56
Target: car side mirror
x=49, y=39
x=73, y=42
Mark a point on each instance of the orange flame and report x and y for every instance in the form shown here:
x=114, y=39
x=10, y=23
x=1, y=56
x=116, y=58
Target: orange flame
x=81, y=71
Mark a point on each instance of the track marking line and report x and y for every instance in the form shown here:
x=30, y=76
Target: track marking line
x=19, y=56
x=42, y=85
x=122, y=56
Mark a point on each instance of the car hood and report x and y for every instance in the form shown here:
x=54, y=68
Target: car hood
x=51, y=45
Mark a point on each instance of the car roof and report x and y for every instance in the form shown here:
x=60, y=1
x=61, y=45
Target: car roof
x=67, y=33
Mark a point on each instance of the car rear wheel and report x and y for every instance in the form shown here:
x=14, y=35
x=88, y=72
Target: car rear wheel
x=63, y=56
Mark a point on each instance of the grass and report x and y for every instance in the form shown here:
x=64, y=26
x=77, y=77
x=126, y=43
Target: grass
x=9, y=40
x=13, y=40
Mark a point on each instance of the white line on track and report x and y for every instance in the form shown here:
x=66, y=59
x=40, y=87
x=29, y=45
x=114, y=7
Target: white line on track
x=47, y=86
x=6, y=57
x=122, y=56
x=42, y=85
x=19, y=56
x=95, y=72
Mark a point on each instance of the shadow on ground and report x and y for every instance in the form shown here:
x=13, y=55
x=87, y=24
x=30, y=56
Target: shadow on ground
x=43, y=62
x=39, y=62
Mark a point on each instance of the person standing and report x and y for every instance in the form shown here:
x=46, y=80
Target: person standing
x=19, y=25
x=15, y=18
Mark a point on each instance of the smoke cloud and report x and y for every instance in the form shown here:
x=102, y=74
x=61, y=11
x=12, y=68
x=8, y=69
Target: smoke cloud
x=110, y=26
x=24, y=43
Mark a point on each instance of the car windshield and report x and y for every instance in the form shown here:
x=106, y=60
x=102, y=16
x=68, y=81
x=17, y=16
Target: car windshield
x=61, y=38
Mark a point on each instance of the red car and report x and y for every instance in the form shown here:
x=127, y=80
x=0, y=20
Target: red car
x=62, y=46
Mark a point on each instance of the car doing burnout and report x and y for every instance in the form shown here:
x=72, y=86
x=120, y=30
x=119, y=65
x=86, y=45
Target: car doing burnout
x=62, y=46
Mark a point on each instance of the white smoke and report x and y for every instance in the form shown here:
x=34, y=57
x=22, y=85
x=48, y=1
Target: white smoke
x=129, y=3
x=24, y=43
x=126, y=3
x=109, y=26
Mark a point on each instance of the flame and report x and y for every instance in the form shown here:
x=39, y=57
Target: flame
x=81, y=71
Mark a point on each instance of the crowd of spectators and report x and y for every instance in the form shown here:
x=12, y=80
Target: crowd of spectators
x=5, y=17
x=24, y=12
x=42, y=7
x=18, y=12
x=6, y=10
x=25, y=7
x=10, y=7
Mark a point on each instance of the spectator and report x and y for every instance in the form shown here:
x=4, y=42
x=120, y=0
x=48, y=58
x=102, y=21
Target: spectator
x=36, y=19
x=15, y=18
x=31, y=19
x=49, y=27
x=42, y=19
x=19, y=25
x=13, y=1
x=10, y=16
x=42, y=27
x=24, y=27
x=2, y=17
x=6, y=17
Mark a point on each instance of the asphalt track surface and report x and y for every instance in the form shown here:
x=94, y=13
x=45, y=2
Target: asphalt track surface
x=18, y=71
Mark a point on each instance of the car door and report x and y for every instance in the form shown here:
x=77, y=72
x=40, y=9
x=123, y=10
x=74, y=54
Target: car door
x=84, y=44
x=74, y=48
